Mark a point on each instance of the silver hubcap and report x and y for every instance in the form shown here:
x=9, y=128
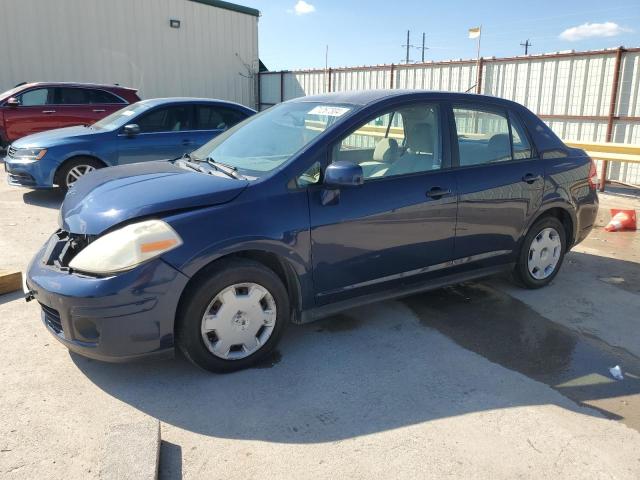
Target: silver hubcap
x=239, y=321
x=544, y=253
x=76, y=172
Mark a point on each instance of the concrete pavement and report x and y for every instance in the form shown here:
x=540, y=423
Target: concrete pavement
x=376, y=392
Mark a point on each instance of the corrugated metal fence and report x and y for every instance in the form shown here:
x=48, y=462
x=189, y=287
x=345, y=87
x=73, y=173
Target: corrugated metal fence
x=584, y=96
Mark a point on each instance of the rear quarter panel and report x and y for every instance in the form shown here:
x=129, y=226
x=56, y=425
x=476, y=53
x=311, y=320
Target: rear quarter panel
x=567, y=186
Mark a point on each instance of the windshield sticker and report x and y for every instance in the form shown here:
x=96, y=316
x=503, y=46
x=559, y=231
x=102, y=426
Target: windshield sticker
x=329, y=111
x=128, y=113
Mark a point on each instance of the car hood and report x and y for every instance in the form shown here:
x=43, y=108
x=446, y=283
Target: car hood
x=50, y=138
x=110, y=196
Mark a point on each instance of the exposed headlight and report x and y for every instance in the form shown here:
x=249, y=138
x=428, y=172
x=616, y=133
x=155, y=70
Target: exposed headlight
x=126, y=247
x=28, y=154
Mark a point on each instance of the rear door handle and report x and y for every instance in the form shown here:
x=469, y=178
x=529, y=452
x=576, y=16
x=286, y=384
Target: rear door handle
x=530, y=178
x=438, y=192
x=99, y=110
x=48, y=111
x=187, y=142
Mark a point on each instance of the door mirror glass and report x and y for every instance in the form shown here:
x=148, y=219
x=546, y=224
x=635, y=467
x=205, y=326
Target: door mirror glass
x=131, y=129
x=13, y=102
x=343, y=174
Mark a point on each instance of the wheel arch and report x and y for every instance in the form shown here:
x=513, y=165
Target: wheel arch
x=71, y=158
x=273, y=261
x=564, y=214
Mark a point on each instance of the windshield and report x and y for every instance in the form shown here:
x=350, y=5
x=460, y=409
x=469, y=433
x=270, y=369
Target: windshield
x=267, y=140
x=122, y=116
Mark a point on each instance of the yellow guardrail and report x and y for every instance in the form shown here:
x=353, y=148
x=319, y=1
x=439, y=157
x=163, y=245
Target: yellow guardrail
x=611, y=152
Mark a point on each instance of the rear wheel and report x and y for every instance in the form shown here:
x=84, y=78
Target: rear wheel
x=233, y=316
x=72, y=170
x=542, y=253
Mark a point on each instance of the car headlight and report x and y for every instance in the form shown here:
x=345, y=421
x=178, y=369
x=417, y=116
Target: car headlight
x=28, y=154
x=126, y=248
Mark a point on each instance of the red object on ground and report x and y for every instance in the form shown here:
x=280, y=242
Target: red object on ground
x=621, y=220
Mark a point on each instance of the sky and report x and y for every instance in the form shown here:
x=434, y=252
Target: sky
x=293, y=34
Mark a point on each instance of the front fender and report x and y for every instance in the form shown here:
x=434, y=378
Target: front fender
x=278, y=226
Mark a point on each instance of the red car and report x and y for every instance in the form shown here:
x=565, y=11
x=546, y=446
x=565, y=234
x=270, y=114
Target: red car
x=34, y=107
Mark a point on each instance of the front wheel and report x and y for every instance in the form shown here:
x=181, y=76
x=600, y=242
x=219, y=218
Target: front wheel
x=71, y=171
x=232, y=316
x=541, y=254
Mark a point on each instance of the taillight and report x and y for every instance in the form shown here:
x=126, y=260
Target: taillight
x=593, y=176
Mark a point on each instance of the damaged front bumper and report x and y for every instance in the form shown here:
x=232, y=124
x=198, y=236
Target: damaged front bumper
x=116, y=318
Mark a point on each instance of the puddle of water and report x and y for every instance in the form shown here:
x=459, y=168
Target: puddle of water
x=508, y=332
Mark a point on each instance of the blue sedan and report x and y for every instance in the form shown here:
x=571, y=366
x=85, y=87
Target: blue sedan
x=310, y=207
x=163, y=128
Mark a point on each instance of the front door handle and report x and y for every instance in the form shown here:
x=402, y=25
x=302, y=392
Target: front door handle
x=438, y=192
x=187, y=142
x=48, y=111
x=99, y=110
x=530, y=178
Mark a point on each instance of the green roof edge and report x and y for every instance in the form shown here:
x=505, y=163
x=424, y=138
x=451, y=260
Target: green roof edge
x=230, y=6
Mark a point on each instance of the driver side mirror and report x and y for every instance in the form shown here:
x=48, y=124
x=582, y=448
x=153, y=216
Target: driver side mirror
x=343, y=174
x=131, y=130
x=13, y=102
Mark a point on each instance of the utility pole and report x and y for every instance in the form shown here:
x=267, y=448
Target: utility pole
x=423, y=48
x=407, y=45
x=526, y=46
x=326, y=57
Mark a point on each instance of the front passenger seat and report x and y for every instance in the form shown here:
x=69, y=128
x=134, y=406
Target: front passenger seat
x=385, y=154
x=419, y=154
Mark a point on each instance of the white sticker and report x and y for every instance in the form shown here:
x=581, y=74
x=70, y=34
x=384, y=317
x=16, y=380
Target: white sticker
x=329, y=111
x=128, y=113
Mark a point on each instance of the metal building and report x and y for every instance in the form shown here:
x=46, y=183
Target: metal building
x=204, y=48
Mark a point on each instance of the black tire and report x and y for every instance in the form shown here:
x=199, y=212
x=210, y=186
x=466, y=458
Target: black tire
x=521, y=272
x=68, y=166
x=203, y=291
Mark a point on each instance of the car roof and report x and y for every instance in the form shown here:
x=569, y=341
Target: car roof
x=75, y=84
x=164, y=101
x=365, y=97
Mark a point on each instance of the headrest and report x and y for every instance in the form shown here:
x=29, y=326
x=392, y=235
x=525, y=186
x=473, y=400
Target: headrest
x=420, y=138
x=386, y=150
x=499, y=146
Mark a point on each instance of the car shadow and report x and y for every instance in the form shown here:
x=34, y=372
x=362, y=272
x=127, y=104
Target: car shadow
x=51, y=198
x=371, y=369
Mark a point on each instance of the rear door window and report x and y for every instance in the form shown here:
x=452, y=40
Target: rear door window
x=38, y=96
x=72, y=96
x=521, y=146
x=213, y=117
x=104, y=97
x=483, y=136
